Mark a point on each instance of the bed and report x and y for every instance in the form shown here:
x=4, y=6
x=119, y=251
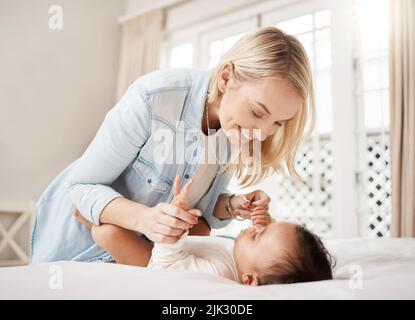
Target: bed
x=366, y=269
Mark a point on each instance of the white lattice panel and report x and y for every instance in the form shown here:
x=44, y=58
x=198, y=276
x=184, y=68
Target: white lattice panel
x=378, y=186
x=309, y=201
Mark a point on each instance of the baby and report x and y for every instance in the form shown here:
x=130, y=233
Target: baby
x=271, y=253
x=277, y=253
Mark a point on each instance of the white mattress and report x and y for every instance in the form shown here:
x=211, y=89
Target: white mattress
x=387, y=268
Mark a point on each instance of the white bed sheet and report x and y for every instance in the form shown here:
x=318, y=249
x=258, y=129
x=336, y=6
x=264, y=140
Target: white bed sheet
x=387, y=266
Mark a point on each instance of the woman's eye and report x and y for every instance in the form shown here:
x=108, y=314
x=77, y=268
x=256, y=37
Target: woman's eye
x=256, y=115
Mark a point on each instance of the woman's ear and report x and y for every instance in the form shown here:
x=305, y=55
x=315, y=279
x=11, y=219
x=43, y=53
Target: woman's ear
x=225, y=77
x=250, y=279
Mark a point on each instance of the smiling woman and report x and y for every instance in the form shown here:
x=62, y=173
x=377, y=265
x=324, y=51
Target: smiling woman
x=262, y=88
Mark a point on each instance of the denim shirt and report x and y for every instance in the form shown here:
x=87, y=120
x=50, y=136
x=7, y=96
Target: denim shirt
x=133, y=155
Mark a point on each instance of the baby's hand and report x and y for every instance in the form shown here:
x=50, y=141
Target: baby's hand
x=180, y=198
x=261, y=216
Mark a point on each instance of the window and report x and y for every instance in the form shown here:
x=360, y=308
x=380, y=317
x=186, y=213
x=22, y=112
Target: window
x=181, y=56
x=372, y=97
x=214, y=43
x=219, y=47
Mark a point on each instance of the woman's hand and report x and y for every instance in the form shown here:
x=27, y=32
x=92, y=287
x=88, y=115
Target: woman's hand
x=245, y=204
x=165, y=223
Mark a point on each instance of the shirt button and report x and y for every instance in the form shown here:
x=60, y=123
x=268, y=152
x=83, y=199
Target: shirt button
x=149, y=180
x=186, y=176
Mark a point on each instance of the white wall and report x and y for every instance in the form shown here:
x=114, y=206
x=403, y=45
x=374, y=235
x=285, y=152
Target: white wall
x=55, y=88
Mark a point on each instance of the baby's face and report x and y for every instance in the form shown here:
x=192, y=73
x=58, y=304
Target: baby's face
x=257, y=247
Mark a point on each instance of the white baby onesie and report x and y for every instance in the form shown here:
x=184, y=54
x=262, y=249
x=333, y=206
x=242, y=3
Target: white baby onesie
x=194, y=253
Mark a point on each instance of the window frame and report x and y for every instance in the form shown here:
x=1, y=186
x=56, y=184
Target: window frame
x=169, y=43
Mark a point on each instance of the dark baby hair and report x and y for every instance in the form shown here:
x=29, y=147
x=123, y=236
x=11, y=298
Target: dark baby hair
x=310, y=262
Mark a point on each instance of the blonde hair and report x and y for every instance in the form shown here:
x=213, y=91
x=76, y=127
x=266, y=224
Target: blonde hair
x=269, y=52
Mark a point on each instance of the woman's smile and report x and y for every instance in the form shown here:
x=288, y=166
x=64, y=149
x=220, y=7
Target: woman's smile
x=239, y=135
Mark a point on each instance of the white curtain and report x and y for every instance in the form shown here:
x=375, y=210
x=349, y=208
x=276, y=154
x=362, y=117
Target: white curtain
x=140, y=48
x=402, y=67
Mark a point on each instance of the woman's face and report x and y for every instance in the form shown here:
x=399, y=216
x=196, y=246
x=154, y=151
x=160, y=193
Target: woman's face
x=262, y=104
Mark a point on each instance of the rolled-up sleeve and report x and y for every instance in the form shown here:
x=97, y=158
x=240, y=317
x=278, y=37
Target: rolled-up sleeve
x=207, y=203
x=122, y=134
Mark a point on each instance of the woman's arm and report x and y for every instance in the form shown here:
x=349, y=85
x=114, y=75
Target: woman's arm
x=114, y=234
x=119, y=139
x=162, y=223
x=125, y=213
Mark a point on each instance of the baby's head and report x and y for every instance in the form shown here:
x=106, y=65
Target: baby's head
x=280, y=253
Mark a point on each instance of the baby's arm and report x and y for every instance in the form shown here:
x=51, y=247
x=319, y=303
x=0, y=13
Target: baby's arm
x=172, y=256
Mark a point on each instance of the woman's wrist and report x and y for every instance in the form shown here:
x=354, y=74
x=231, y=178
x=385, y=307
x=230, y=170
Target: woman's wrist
x=125, y=213
x=225, y=207
x=231, y=208
x=220, y=211
x=137, y=220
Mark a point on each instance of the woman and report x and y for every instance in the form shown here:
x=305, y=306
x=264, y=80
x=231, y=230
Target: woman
x=261, y=91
